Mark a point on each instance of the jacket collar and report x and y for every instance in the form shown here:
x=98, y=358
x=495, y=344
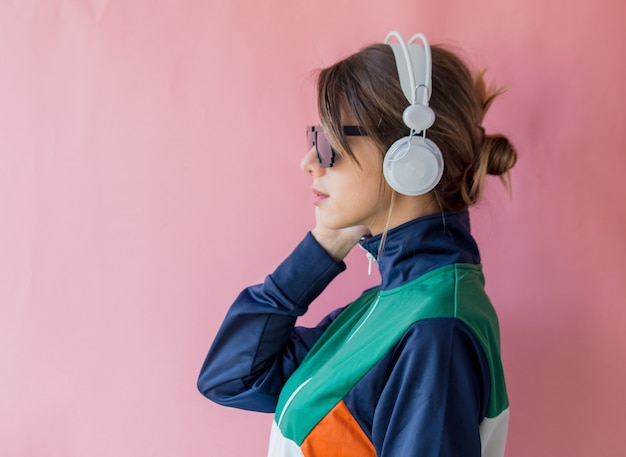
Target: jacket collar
x=422, y=245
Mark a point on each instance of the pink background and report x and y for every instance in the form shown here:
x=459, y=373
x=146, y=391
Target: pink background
x=149, y=158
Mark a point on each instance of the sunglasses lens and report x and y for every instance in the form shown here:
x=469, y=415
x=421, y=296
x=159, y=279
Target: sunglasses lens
x=325, y=154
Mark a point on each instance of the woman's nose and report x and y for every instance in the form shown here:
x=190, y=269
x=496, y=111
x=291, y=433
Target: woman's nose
x=310, y=164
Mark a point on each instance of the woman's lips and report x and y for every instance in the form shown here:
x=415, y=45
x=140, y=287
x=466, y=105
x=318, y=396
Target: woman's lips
x=318, y=196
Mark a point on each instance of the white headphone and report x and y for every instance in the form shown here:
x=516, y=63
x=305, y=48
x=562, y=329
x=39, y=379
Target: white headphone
x=413, y=164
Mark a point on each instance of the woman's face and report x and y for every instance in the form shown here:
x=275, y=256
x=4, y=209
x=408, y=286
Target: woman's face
x=347, y=194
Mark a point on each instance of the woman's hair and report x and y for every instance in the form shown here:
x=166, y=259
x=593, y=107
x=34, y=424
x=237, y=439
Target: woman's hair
x=366, y=86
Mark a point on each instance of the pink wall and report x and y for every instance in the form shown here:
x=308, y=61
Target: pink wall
x=149, y=159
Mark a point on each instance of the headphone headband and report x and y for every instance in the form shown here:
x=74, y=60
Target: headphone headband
x=410, y=59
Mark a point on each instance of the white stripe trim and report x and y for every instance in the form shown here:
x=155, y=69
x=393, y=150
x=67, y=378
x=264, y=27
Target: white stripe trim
x=290, y=399
x=366, y=318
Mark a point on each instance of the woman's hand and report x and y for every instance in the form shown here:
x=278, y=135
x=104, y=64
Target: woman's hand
x=338, y=243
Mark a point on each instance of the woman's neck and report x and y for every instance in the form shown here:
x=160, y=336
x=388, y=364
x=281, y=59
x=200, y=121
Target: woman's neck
x=405, y=208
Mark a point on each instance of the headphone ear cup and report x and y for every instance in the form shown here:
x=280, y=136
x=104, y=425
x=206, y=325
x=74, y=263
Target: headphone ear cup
x=413, y=165
x=418, y=117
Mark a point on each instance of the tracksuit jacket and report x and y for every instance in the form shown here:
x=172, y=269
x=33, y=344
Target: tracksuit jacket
x=410, y=368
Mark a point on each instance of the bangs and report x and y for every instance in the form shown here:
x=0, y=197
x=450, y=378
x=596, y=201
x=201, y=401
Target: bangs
x=365, y=88
x=333, y=101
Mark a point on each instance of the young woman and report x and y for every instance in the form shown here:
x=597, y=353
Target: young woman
x=412, y=367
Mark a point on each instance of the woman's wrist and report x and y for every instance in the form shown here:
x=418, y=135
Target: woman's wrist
x=338, y=243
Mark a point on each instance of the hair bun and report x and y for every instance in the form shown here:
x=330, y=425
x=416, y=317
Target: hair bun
x=500, y=154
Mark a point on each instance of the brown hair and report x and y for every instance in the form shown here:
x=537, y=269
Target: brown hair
x=366, y=85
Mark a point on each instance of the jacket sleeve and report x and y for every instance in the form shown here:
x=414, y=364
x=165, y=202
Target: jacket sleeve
x=436, y=411
x=428, y=395
x=257, y=347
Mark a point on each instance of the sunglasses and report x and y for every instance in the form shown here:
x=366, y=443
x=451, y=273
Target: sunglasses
x=326, y=155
